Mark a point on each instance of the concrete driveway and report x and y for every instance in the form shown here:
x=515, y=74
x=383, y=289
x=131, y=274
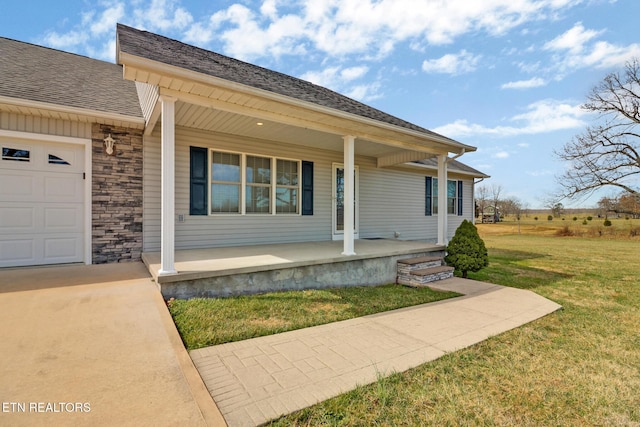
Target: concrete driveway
x=94, y=345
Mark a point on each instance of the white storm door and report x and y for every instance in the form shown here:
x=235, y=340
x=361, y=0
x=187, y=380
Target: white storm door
x=338, y=202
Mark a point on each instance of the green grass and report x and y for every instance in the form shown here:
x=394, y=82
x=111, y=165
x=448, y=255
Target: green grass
x=204, y=322
x=579, y=366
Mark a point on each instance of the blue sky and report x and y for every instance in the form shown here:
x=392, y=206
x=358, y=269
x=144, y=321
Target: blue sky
x=507, y=76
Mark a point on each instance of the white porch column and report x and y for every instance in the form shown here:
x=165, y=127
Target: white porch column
x=442, y=199
x=349, y=195
x=167, y=230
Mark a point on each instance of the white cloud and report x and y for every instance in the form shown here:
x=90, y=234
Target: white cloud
x=523, y=144
x=94, y=35
x=368, y=28
x=340, y=79
x=541, y=117
x=162, y=15
x=460, y=63
x=354, y=72
x=524, y=84
x=572, y=40
x=501, y=155
x=578, y=48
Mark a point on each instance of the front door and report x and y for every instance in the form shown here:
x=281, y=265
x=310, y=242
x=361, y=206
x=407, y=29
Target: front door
x=338, y=202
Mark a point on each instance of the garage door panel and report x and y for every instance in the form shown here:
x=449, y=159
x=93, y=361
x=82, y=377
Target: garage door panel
x=61, y=249
x=63, y=219
x=17, y=185
x=19, y=218
x=63, y=188
x=17, y=252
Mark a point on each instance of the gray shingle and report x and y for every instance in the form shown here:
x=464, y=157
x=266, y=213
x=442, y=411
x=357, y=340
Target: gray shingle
x=51, y=76
x=172, y=52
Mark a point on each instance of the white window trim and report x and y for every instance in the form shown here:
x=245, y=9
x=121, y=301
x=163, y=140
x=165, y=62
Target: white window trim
x=243, y=185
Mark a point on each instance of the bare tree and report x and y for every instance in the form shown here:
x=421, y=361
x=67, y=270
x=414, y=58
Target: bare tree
x=607, y=153
x=482, y=200
x=495, y=191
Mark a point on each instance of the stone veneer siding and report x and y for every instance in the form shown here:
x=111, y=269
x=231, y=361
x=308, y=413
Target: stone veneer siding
x=116, y=206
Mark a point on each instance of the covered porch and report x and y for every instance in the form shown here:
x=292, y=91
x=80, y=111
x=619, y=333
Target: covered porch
x=219, y=272
x=218, y=103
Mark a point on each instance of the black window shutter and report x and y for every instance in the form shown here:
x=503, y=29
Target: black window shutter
x=307, y=188
x=459, y=198
x=428, y=195
x=198, y=181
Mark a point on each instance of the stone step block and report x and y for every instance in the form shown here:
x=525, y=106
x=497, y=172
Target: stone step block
x=426, y=275
x=406, y=266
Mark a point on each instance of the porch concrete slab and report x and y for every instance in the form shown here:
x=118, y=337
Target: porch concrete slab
x=260, y=379
x=94, y=345
x=193, y=264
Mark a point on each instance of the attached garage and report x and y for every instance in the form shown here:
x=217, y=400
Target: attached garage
x=42, y=203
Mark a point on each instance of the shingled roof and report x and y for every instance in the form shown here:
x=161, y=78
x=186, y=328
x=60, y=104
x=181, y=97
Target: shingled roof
x=36, y=73
x=172, y=52
x=453, y=166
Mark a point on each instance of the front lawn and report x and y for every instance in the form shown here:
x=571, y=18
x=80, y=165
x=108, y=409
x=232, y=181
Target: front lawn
x=204, y=322
x=577, y=367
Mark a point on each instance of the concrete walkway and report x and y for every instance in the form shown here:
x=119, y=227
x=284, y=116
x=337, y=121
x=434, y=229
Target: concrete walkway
x=93, y=346
x=259, y=379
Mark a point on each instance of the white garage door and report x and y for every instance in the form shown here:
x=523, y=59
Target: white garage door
x=41, y=203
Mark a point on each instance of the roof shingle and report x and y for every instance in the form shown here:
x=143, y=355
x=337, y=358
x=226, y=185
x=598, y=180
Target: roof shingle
x=51, y=76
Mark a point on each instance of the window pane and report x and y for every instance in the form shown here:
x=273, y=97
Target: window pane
x=226, y=167
x=258, y=170
x=287, y=172
x=435, y=196
x=55, y=160
x=225, y=198
x=15, y=154
x=451, y=197
x=287, y=200
x=257, y=199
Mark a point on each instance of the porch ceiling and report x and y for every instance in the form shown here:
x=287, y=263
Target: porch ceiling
x=210, y=119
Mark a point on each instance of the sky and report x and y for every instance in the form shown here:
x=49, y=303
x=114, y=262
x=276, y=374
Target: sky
x=506, y=76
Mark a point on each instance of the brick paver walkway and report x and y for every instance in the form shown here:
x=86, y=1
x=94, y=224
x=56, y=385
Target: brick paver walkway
x=259, y=379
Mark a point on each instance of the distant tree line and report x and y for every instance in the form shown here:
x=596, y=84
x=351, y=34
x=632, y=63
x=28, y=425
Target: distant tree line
x=627, y=204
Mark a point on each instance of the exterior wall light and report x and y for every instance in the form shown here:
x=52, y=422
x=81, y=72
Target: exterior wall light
x=109, y=145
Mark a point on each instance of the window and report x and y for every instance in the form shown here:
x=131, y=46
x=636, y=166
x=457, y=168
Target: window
x=258, y=189
x=55, y=160
x=247, y=184
x=225, y=183
x=287, y=186
x=15, y=154
x=454, y=197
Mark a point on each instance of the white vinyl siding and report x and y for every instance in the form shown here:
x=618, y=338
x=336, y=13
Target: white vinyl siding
x=390, y=200
x=148, y=96
x=44, y=125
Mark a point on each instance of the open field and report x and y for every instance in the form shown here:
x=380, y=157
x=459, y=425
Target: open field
x=579, y=366
x=621, y=228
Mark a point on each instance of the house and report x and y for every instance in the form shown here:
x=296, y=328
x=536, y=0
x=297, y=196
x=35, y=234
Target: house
x=175, y=148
